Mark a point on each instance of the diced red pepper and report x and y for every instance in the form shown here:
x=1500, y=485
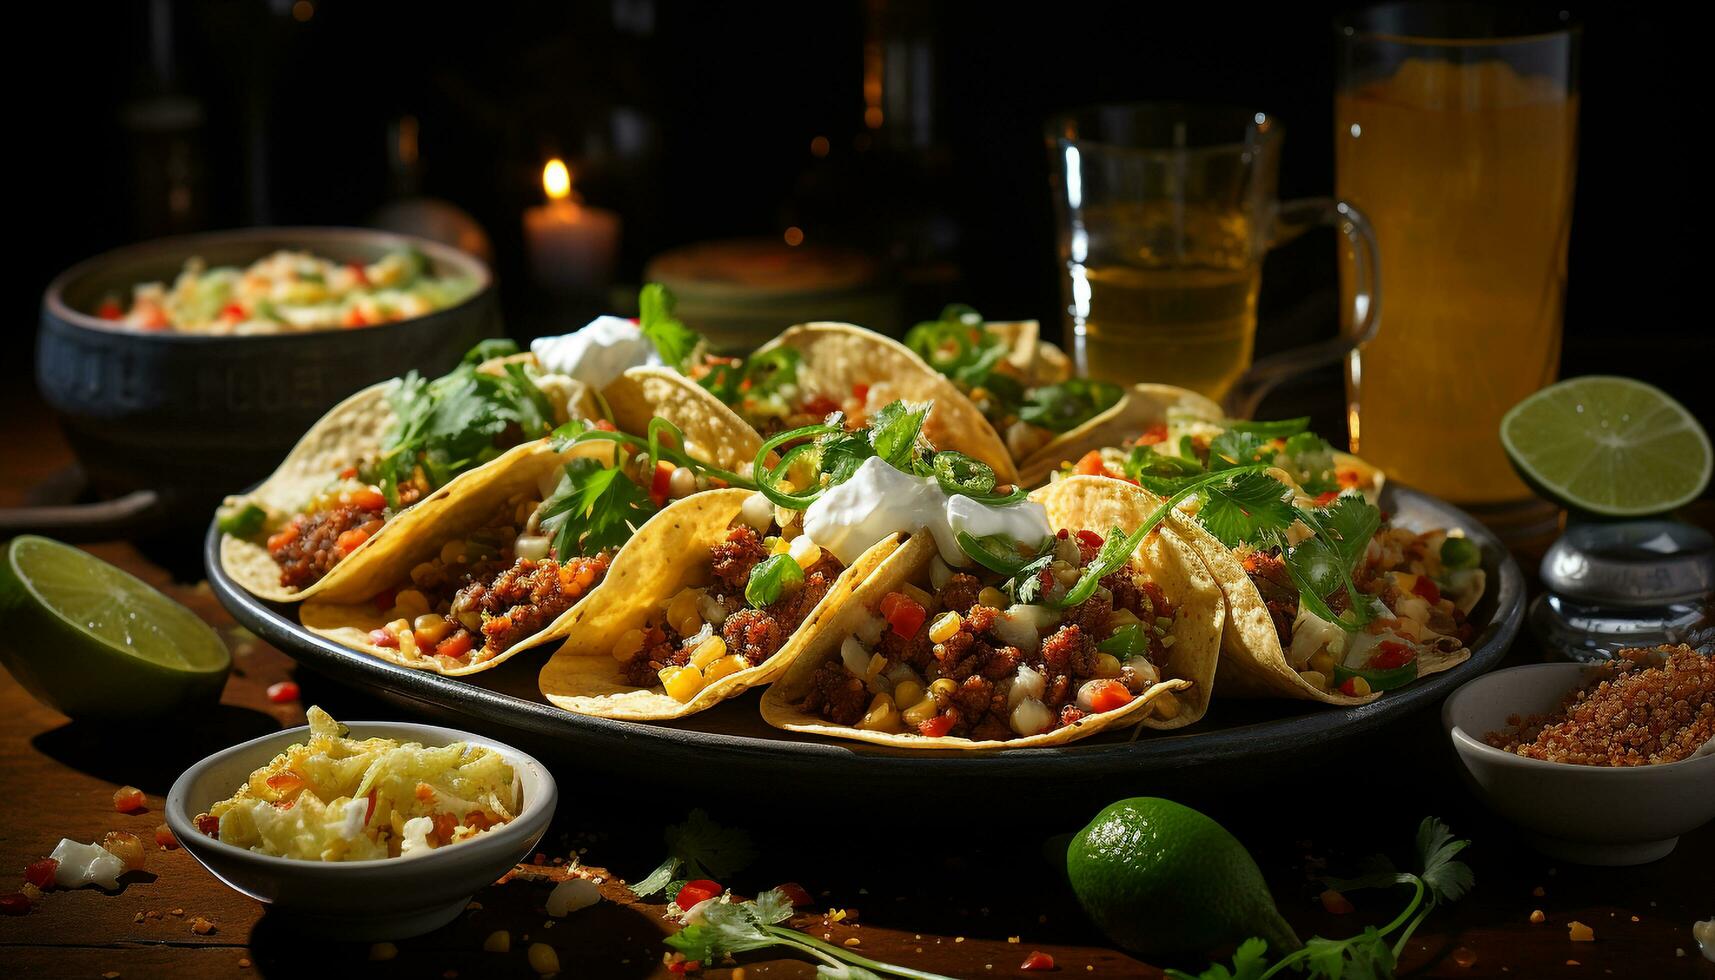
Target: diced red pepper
x=369, y=498
x=369, y=814
x=445, y=824
x=1090, y=464
x=1347, y=478
x=1062, y=534
x=1090, y=539
x=358, y=272
x=232, y=311
x=1389, y=655
x=697, y=890
x=1426, y=587
x=605, y=426
x=1152, y=435
x=285, y=782
x=41, y=873
x=110, y=310
x=1037, y=960
x=208, y=824
x=1350, y=687
x=661, y=482
x=904, y=614
x=797, y=894
x=165, y=839
x=1324, y=499
x=354, y=318
x=936, y=726
x=153, y=318
x=283, y=692
x=1046, y=577
x=348, y=541
x=821, y=405
x=1108, y=695
x=128, y=799
x=384, y=638
x=860, y=392
x=454, y=647
x=16, y=903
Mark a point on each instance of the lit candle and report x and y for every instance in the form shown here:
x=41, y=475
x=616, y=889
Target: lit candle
x=570, y=246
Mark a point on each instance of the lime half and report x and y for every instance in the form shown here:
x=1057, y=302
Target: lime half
x=1610, y=446
x=95, y=642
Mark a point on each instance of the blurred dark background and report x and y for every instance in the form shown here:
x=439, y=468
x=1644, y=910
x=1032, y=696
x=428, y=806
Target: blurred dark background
x=711, y=120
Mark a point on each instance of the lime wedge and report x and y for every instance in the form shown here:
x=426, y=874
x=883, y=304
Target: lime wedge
x=92, y=641
x=1609, y=446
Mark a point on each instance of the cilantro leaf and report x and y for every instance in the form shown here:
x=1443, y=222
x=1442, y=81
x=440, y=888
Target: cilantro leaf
x=1237, y=448
x=674, y=341
x=594, y=507
x=842, y=453
x=772, y=906
x=895, y=432
x=1249, y=963
x=1277, y=429
x=1322, y=565
x=707, y=847
x=1252, y=507
x=488, y=350
x=1310, y=460
x=1447, y=879
x=1069, y=404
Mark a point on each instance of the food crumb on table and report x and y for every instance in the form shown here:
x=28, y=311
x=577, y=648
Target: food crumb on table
x=1580, y=933
x=1537, y=918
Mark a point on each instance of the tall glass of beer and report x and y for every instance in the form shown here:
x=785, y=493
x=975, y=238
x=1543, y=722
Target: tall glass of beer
x=1165, y=213
x=1455, y=128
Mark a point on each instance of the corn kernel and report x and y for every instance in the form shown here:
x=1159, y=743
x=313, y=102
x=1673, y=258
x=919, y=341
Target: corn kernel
x=499, y=941
x=410, y=603
x=943, y=629
x=907, y=693
x=682, y=612
x=452, y=553
x=1314, y=678
x=877, y=664
x=732, y=663
x=992, y=598
x=776, y=545
x=881, y=717
x=627, y=645
x=922, y=598
x=543, y=959
x=1360, y=687
x=1167, y=706
x=922, y=711
x=804, y=551
x=431, y=629
x=707, y=652
x=1323, y=663
x=1107, y=665
x=407, y=643
x=681, y=683
x=942, y=688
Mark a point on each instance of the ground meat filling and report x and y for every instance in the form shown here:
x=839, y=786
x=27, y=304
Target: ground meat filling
x=525, y=598
x=1267, y=571
x=732, y=559
x=308, y=547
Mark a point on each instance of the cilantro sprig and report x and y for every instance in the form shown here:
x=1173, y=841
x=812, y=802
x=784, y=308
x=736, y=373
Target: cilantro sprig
x=736, y=927
x=698, y=848
x=459, y=420
x=676, y=343
x=1440, y=879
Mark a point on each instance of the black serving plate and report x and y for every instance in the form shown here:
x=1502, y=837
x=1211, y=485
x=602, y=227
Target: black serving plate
x=1239, y=741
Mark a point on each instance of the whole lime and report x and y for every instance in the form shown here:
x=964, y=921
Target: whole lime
x=1160, y=877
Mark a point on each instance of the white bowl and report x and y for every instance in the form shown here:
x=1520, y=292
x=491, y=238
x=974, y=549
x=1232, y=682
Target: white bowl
x=1605, y=815
x=390, y=898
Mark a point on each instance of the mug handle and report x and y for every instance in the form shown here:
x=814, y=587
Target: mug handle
x=1294, y=218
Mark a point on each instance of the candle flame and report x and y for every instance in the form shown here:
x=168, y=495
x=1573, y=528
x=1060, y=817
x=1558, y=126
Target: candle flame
x=557, y=180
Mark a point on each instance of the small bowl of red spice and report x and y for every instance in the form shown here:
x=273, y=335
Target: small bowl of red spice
x=1605, y=764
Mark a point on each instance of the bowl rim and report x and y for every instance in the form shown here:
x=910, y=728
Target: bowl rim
x=1464, y=742
x=521, y=825
x=54, y=304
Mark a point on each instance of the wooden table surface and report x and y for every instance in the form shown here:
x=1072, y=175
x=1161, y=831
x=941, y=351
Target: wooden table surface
x=962, y=893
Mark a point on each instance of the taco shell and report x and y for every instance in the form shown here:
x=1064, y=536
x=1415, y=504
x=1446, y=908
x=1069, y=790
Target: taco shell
x=1142, y=406
x=1080, y=502
x=667, y=554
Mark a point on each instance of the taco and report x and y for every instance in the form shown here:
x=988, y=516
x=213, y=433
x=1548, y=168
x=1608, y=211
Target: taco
x=1325, y=599
x=377, y=460
x=1083, y=631
x=520, y=542
x=711, y=597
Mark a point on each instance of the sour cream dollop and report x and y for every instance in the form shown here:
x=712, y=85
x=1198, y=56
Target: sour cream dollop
x=597, y=354
x=879, y=500
x=85, y=864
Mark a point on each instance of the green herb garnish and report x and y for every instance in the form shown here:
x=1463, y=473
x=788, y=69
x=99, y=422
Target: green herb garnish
x=242, y=521
x=673, y=341
x=1459, y=554
x=1069, y=404
x=595, y=507
x=1368, y=954
x=771, y=578
x=698, y=848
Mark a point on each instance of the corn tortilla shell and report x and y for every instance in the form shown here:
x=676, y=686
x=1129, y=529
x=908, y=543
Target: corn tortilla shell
x=1142, y=406
x=1082, y=503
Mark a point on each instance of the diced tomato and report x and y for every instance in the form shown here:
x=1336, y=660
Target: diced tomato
x=661, y=482
x=208, y=824
x=936, y=726
x=232, y=311
x=1090, y=464
x=1324, y=499
x=348, y=541
x=384, y=638
x=1046, y=577
x=284, y=692
x=128, y=799
x=454, y=647
x=354, y=318
x=153, y=318
x=41, y=873
x=285, y=782
x=1090, y=538
x=1350, y=687
x=1037, y=960
x=795, y=893
x=1062, y=534
x=1108, y=695
x=445, y=824
x=368, y=498
x=821, y=405
x=904, y=614
x=1152, y=435
x=605, y=426
x=358, y=272
x=1347, y=478
x=384, y=599
x=283, y=537
x=109, y=310
x=1426, y=587
x=369, y=814
x=1389, y=655
x=860, y=392
x=165, y=838
x=698, y=890
x=16, y=903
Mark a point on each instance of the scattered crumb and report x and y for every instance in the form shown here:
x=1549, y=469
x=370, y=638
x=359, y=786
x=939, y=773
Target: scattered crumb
x=474, y=907
x=737, y=973
x=383, y=951
x=1464, y=956
x=137, y=918
x=958, y=939
x=202, y=926
x=1537, y=918
x=499, y=941
x=110, y=975
x=1636, y=919
x=1012, y=939
x=1538, y=891
x=853, y=941
x=1679, y=951
x=244, y=962
x=543, y=959
x=1335, y=903
x=177, y=912
x=1580, y=933
x=1573, y=963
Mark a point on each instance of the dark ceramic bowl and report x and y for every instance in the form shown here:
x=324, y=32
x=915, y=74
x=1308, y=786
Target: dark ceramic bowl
x=165, y=424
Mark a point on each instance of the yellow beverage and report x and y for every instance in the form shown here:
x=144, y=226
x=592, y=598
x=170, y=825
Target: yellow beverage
x=1176, y=299
x=1466, y=173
